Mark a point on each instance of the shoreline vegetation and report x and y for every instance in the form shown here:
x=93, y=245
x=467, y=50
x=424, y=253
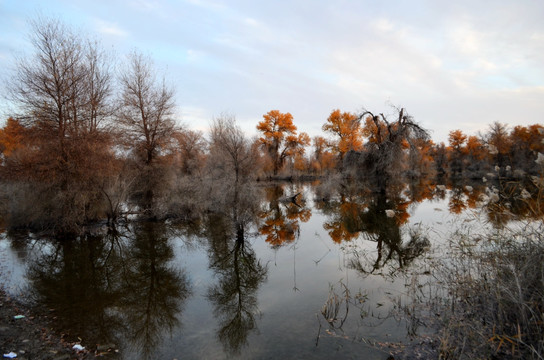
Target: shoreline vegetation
x=90, y=147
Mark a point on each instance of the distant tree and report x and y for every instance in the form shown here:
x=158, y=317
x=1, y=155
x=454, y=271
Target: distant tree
x=476, y=155
x=387, y=142
x=229, y=146
x=440, y=156
x=191, y=147
x=457, y=140
x=498, y=141
x=526, y=143
x=346, y=126
x=322, y=158
x=475, y=149
x=11, y=137
x=280, y=138
x=420, y=158
x=457, y=151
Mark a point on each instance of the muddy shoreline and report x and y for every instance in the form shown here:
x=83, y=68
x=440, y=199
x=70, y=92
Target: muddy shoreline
x=27, y=333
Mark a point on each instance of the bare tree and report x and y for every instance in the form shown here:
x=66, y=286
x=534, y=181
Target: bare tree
x=63, y=94
x=64, y=88
x=230, y=146
x=191, y=147
x=146, y=109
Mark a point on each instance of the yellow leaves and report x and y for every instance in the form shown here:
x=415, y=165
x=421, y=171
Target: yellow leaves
x=375, y=130
x=276, y=125
x=456, y=139
x=11, y=137
x=280, y=137
x=347, y=127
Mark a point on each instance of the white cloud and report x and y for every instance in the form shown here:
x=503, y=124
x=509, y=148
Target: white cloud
x=210, y=5
x=196, y=118
x=251, y=22
x=383, y=25
x=109, y=28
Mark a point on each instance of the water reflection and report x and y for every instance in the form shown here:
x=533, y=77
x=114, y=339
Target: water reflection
x=281, y=215
x=234, y=296
x=80, y=280
x=123, y=287
x=237, y=268
x=381, y=223
x=357, y=213
x=153, y=291
x=112, y=288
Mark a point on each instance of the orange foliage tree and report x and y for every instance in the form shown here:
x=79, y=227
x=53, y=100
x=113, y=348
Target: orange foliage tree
x=526, y=143
x=322, y=158
x=456, y=150
x=280, y=138
x=475, y=149
x=346, y=126
x=11, y=137
x=457, y=139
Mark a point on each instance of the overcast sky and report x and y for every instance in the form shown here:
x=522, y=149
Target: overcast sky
x=452, y=64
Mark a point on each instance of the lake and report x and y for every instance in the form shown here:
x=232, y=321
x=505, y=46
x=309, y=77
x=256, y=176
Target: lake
x=325, y=273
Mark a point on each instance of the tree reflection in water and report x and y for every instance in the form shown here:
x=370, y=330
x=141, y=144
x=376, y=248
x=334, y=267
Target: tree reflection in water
x=112, y=288
x=80, y=280
x=240, y=273
x=357, y=213
x=281, y=215
x=377, y=224
x=154, y=292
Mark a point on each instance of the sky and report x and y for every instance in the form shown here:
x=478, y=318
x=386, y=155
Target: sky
x=460, y=64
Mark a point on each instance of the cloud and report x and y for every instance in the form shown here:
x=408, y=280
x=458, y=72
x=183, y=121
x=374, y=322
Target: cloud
x=210, y=5
x=109, y=28
x=196, y=118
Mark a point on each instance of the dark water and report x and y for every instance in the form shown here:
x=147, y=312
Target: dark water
x=322, y=276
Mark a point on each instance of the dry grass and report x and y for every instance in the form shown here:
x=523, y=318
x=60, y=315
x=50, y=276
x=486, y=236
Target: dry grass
x=485, y=298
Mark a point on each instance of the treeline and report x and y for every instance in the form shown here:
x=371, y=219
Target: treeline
x=93, y=139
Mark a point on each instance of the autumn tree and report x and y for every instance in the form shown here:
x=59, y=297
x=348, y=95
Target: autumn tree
x=322, y=158
x=63, y=95
x=476, y=154
x=280, y=138
x=457, y=151
x=420, y=158
x=384, y=154
x=526, y=143
x=11, y=137
x=346, y=127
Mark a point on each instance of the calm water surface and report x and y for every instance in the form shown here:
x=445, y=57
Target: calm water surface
x=242, y=283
